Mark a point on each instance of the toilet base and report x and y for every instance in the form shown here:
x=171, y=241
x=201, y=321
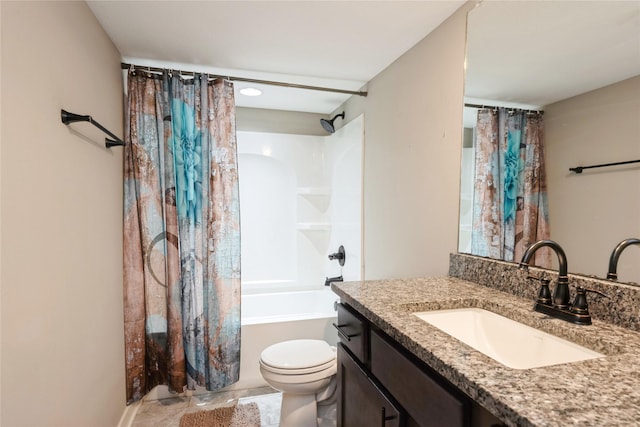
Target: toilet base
x=298, y=410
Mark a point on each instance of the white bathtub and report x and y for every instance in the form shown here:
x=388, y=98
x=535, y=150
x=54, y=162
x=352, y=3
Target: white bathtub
x=271, y=318
x=287, y=306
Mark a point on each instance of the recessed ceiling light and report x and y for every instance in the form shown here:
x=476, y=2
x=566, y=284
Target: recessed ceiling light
x=251, y=91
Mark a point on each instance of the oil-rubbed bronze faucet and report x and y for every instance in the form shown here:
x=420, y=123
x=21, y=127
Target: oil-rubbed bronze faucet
x=561, y=293
x=558, y=306
x=615, y=255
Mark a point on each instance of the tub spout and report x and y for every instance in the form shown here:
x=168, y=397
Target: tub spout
x=612, y=274
x=331, y=280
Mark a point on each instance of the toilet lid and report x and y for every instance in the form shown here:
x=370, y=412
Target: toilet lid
x=298, y=354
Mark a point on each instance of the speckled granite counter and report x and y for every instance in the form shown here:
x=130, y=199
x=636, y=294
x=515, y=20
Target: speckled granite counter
x=594, y=393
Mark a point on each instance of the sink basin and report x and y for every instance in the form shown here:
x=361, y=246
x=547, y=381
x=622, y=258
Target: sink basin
x=511, y=343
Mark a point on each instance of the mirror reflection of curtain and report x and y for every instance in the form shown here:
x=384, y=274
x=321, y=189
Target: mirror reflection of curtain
x=181, y=235
x=510, y=209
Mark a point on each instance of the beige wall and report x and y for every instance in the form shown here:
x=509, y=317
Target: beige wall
x=62, y=339
x=277, y=121
x=593, y=211
x=413, y=138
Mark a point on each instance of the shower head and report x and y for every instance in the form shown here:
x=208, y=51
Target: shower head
x=328, y=124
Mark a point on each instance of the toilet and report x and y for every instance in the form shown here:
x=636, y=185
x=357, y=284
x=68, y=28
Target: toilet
x=305, y=372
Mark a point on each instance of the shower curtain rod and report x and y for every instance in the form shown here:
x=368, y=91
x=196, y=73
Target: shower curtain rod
x=494, y=107
x=244, y=79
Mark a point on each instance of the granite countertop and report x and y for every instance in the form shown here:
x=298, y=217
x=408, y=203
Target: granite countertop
x=598, y=392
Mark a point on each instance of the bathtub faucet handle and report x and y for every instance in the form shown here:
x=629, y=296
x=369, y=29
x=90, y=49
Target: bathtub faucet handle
x=340, y=255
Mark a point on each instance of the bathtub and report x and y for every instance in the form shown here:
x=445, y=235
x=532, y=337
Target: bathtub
x=268, y=319
x=274, y=317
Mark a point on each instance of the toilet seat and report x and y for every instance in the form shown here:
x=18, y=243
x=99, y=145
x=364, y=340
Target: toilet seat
x=291, y=377
x=302, y=371
x=298, y=356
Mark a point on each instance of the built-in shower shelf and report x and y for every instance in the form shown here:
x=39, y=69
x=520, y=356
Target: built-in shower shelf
x=318, y=197
x=313, y=226
x=314, y=191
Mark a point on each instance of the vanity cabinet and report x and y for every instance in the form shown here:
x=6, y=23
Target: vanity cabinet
x=427, y=401
x=362, y=402
x=353, y=332
x=382, y=384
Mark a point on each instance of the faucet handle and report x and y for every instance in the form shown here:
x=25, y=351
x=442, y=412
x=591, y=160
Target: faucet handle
x=579, y=305
x=544, y=294
x=598, y=292
x=340, y=255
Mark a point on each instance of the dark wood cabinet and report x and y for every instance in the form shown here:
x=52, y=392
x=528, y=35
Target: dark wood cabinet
x=360, y=402
x=382, y=384
x=428, y=401
x=353, y=331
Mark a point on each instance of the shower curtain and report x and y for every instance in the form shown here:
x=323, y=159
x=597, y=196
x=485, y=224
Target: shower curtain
x=181, y=234
x=510, y=208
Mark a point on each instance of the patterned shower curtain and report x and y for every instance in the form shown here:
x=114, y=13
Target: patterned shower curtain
x=181, y=234
x=510, y=208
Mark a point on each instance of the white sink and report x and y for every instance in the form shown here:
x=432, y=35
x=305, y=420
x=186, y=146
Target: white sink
x=509, y=342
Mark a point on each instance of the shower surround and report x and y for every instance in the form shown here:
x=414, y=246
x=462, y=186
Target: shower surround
x=300, y=199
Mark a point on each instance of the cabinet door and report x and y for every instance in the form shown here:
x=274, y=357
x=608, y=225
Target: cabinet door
x=360, y=402
x=426, y=400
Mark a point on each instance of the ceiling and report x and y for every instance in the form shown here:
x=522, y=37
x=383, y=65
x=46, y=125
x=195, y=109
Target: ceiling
x=528, y=53
x=540, y=52
x=337, y=44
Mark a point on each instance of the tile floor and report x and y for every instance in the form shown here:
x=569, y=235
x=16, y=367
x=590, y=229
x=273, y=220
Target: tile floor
x=167, y=412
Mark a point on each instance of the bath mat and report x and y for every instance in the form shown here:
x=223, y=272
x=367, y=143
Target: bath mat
x=242, y=415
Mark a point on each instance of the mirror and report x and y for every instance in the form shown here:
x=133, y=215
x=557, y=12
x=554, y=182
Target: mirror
x=580, y=63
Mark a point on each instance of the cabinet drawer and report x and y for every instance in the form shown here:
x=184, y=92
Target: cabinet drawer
x=353, y=332
x=428, y=402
